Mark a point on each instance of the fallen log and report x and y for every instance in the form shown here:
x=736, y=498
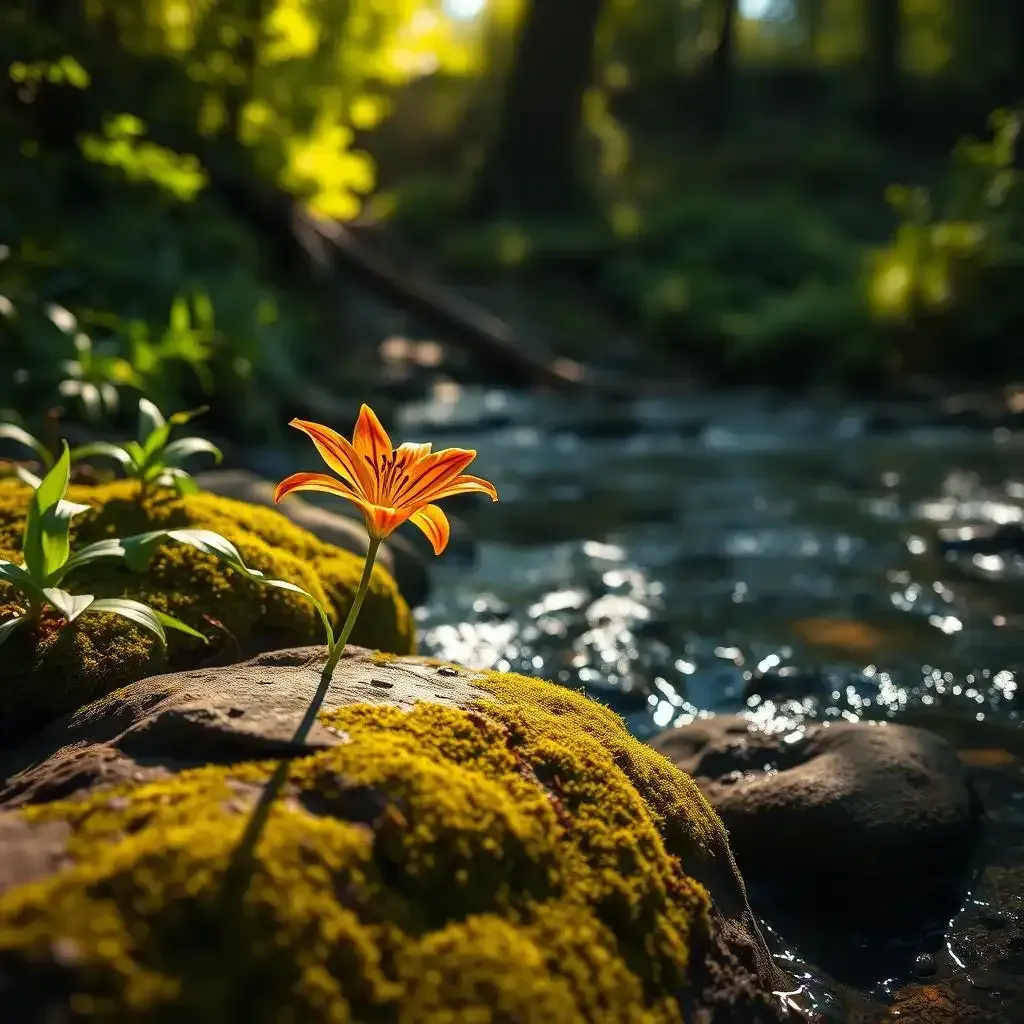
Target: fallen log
x=462, y=322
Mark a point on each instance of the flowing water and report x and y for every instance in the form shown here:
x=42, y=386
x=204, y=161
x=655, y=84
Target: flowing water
x=664, y=566
x=682, y=558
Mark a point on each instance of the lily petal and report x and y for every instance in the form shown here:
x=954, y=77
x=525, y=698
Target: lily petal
x=431, y=474
x=434, y=523
x=412, y=451
x=370, y=439
x=339, y=454
x=320, y=482
x=465, y=484
x=382, y=521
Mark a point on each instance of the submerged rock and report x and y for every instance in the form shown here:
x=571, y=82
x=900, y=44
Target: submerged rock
x=446, y=845
x=854, y=803
x=50, y=671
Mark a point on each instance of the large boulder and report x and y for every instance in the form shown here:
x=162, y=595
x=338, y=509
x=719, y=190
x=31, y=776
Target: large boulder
x=50, y=671
x=857, y=804
x=443, y=846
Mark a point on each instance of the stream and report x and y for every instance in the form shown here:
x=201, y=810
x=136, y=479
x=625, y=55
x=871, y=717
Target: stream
x=681, y=558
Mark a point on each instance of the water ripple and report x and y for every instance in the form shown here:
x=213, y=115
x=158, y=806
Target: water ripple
x=787, y=578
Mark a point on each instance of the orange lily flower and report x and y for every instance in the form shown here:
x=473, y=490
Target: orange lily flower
x=389, y=485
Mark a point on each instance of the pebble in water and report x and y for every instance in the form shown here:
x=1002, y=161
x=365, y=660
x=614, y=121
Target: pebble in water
x=925, y=965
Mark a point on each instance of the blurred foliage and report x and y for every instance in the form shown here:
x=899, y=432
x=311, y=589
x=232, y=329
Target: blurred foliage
x=954, y=268
x=134, y=133
x=113, y=114
x=772, y=246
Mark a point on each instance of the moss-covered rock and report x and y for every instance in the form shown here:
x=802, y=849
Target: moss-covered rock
x=50, y=672
x=505, y=852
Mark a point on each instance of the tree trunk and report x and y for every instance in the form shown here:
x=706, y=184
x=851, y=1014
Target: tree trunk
x=988, y=50
x=247, y=53
x=811, y=15
x=883, y=34
x=719, y=70
x=531, y=167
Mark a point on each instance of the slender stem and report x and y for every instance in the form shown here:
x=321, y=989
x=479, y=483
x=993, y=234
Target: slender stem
x=243, y=860
x=36, y=605
x=334, y=653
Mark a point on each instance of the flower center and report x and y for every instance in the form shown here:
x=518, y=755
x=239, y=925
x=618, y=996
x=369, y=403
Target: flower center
x=389, y=475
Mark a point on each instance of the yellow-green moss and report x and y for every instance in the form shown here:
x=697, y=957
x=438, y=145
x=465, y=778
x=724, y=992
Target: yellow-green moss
x=241, y=617
x=48, y=671
x=524, y=862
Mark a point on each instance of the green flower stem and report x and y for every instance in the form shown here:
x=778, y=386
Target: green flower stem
x=335, y=652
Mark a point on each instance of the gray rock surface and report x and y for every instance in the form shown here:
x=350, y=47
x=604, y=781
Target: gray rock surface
x=222, y=714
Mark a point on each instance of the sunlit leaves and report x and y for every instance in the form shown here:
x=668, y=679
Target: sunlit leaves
x=293, y=83
x=123, y=145
x=64, y=71
x=179, y=20
x=293, y=31
x=951, y=240
x=366, y=111
x=332, y=175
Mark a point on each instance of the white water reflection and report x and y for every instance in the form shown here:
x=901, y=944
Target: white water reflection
x=684, y=569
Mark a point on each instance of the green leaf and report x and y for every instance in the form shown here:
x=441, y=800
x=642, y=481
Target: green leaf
x=46, y=543
x=135, y=611
x=145, y=616
x=56, y=525
x=137, y=551
x=186, y=416
x=20, y=580
x=8, y=627
x=182, y=627
x=180, y=480
x=184, y=484
x=181, y=315
x=106, y=450
x=54, y=485
x=134, y=449
x=26, y=477
x=154, y=446
x=151, y=419
x=69, y=605
x=89, y=395
x=204, y=309
x=214, y=544
x=111, y=548
x=211, y=543
x=12, y=432
x=184, y=448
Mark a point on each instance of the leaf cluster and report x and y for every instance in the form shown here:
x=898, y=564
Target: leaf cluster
x=154, y=460
x=48, y=568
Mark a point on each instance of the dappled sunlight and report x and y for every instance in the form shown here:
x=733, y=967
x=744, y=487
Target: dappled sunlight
x=724, y=296
x=465, y=9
